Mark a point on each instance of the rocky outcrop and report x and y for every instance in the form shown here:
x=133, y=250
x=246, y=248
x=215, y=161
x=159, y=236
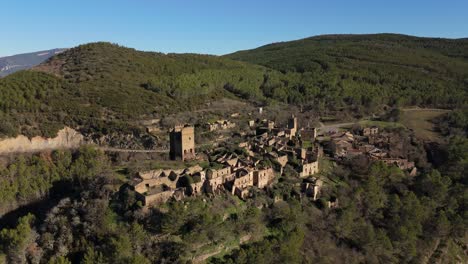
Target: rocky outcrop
x=66, y=138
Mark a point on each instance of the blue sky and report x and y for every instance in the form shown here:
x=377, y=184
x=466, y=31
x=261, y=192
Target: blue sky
x=216, y=26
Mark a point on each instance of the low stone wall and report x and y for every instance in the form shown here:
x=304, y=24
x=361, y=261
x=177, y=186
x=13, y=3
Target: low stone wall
x=66, y=138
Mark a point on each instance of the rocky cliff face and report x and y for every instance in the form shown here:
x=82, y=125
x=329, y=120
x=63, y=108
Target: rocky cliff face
x=66, y=138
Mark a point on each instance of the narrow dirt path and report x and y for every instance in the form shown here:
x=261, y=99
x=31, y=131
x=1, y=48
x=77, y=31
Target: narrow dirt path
x=134, y=150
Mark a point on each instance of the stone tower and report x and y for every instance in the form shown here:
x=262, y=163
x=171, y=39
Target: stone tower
x=292, y=125
x=182, y=143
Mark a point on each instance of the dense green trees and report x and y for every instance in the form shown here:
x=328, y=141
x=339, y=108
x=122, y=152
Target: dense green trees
x=14, y=241
x=454, y=123
x=384, y=216
x=365, y=70
x=31, y=178
x=103, y=87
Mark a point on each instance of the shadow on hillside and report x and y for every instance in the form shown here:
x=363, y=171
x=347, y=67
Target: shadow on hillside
x=40, y=208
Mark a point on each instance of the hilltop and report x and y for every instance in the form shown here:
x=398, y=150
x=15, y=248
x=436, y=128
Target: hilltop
x=367, y=70
x=105, y=87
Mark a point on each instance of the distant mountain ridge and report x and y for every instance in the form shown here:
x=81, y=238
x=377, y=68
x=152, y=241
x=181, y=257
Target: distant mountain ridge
x=14, y=63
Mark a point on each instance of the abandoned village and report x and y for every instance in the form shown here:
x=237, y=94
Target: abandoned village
x=258, y=159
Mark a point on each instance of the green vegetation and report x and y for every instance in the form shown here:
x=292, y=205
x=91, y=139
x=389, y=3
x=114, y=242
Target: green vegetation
x=31, y=178
x=381, y=124
x=16, y=240
x=377, y=221
x=421, y=121
x=454, y=123
x=383, y=214
x=365, y=71
x=103, y=88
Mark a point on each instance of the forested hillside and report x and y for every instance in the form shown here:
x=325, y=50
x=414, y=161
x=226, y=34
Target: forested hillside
x=366, y=70
x=384, y=216
x=101, y=86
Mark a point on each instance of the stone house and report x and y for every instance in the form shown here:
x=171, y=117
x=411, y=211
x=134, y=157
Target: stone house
x=270, y=124
x=193, y=169
x=370, y=131
x=263, y=177
x=152, y=194
x=219, y=124
x=216, y=179
x=214, y=184
x=244, y=179
x=232, y=162
x=301, y=153
x=308, y=168
x=351, y=153
x=218, y=173
x=156, y=198
x=282, y=160
x=150, y=179
x=153, y=129
x=308, y=134
x=196, y=188
x=211, y=126
x=242, y=193
x=403, y=164
x=340, y=147
x=312, y=188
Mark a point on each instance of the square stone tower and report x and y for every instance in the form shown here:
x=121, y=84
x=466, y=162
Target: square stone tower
x=292, y=125
x=182, y=143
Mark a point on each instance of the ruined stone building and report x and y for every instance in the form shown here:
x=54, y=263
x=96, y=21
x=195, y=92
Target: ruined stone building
x=370, y=131
x=308, y=134
x=374, y=144
x=220, y=125
x=154, y=187
x=308, y=168
x=263, y=177
x=312, y=188
x=292, y=126
x=182, y=143
x=403, y=164
x=244, y=179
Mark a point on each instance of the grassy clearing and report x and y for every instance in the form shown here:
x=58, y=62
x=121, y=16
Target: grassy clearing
x=381, y=124
x=420, y=121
